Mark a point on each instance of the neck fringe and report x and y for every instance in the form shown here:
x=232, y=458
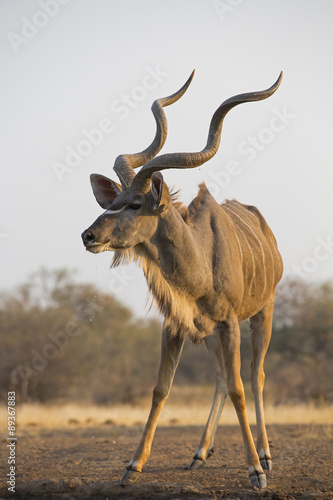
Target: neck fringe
x=182, y=316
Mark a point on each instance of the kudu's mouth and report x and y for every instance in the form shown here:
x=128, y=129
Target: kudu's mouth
x=93, y=246
x=89, y=241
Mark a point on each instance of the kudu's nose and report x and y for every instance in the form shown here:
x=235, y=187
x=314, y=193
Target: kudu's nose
x=88, y=237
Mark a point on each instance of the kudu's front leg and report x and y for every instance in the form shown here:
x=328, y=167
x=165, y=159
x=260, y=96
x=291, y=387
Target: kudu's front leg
x=230, y=338
x=171, y=351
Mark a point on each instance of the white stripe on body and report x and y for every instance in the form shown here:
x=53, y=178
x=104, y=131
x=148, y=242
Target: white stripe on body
x=249, y=212
x=260, y=244
x=240, y=248
x=254, y=262
x=244, y=211
x=276, y=251
x=270, y=240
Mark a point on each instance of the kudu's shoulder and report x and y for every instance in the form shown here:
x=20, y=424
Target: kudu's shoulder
x=205, y=203
x=230, y=213
x=202, y=205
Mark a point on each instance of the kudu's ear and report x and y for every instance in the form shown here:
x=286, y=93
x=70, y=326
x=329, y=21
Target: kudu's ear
x=157, y=188
x=104, y=189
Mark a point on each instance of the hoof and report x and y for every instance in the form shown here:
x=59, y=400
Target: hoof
x=197, y=463
x=130, y=476
x=266, y=463
x=258, y=480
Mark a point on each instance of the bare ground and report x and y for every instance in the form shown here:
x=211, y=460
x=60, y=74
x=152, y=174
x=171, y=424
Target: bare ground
x=87, y=462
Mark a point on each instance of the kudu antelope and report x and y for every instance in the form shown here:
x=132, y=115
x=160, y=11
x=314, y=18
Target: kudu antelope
x=208, y=267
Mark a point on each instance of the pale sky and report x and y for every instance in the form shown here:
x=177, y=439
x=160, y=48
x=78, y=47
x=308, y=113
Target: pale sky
x=70, y=67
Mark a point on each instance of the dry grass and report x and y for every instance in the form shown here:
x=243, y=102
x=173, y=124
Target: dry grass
x=57, y=416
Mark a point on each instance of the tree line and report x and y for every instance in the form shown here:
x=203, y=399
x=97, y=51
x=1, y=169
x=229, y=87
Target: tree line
x=65, y=341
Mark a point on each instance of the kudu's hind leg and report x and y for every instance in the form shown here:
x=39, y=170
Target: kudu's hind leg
x=230, y=339
x=171, y=351
x=261, y=330
x=205, y=448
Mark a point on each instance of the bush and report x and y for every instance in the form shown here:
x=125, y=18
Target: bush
x=68, y=341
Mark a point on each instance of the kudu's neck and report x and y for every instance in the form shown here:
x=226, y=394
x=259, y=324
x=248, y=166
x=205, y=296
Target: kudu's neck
x=176, y=252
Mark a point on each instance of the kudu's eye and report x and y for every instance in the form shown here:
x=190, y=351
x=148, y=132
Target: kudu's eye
x=135, y=206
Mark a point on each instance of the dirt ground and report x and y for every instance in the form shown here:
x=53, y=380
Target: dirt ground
x=87, y=462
